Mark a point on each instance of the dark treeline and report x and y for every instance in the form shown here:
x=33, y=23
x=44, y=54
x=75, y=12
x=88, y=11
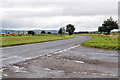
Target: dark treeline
x=86, y=32
x=82, y=32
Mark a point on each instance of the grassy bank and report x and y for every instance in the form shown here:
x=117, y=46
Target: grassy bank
x=109, y=42
x=26, y=39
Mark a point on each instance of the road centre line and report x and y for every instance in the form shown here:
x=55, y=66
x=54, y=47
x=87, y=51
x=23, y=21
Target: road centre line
x=64, y=50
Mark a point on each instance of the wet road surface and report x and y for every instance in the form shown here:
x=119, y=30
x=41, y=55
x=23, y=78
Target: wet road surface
x=64, y=59
x=15, y=54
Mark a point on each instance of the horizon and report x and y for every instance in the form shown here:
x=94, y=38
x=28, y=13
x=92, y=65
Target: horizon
x=115, y=30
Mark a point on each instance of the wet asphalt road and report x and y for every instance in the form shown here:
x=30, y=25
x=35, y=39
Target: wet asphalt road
x=15, y=54
x=64, y=59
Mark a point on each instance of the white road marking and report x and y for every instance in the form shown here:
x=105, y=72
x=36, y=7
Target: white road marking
x=1, y=70
x=57, y=52
x=49, y=55
x=47, y=69
x=5, y=75
x=79, y=62
x=64, y=50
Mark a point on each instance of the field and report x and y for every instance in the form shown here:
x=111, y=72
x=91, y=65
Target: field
x=103, y=41
x=26, y=39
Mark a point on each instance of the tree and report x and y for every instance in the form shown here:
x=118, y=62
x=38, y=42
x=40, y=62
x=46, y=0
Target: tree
x=60, y=31
x=43, y=32
x=100, y=29
x=109, y=25
x=31, y=32
x=49, y=32
x=70, y=29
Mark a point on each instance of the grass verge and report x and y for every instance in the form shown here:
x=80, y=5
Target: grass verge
x=109, y=42
x=27, y=39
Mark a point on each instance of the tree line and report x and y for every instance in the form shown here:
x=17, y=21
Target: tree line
x=106, y=27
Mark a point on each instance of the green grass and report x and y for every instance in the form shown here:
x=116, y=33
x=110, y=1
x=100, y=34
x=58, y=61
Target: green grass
x=102, y=42
x=19, y=40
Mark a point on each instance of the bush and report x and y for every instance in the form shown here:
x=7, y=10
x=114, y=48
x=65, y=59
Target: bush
x=43, y=32
x=49, y=32
x=31, y=32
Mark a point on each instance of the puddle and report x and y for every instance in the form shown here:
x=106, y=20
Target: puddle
x=79, y=62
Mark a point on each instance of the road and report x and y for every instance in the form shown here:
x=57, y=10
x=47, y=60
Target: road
x=15, y=54
x=101, y=62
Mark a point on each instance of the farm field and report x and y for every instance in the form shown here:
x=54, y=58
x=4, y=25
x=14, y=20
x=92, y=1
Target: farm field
x=26, y=39
x=101, y=41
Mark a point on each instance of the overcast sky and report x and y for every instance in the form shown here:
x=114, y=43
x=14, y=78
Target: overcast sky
x=46, y=15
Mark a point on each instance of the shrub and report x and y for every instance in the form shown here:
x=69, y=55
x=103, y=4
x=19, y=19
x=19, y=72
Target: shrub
x=49, y=32
x=43, y=32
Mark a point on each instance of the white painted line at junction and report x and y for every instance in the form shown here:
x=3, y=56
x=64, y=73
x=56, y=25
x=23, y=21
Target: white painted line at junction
x=79, y=62
x=64, y=50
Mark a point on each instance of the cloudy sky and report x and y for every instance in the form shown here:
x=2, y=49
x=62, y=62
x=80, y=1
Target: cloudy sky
x=85, y=15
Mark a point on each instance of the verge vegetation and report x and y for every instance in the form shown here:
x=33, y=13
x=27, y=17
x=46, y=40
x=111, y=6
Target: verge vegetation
x=26, y=39
x=102, y=41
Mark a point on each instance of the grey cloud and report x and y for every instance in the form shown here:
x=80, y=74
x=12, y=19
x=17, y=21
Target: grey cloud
x=67, y=9
x=23, y=18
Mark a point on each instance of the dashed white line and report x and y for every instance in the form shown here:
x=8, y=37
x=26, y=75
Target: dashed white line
x=64, y=50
